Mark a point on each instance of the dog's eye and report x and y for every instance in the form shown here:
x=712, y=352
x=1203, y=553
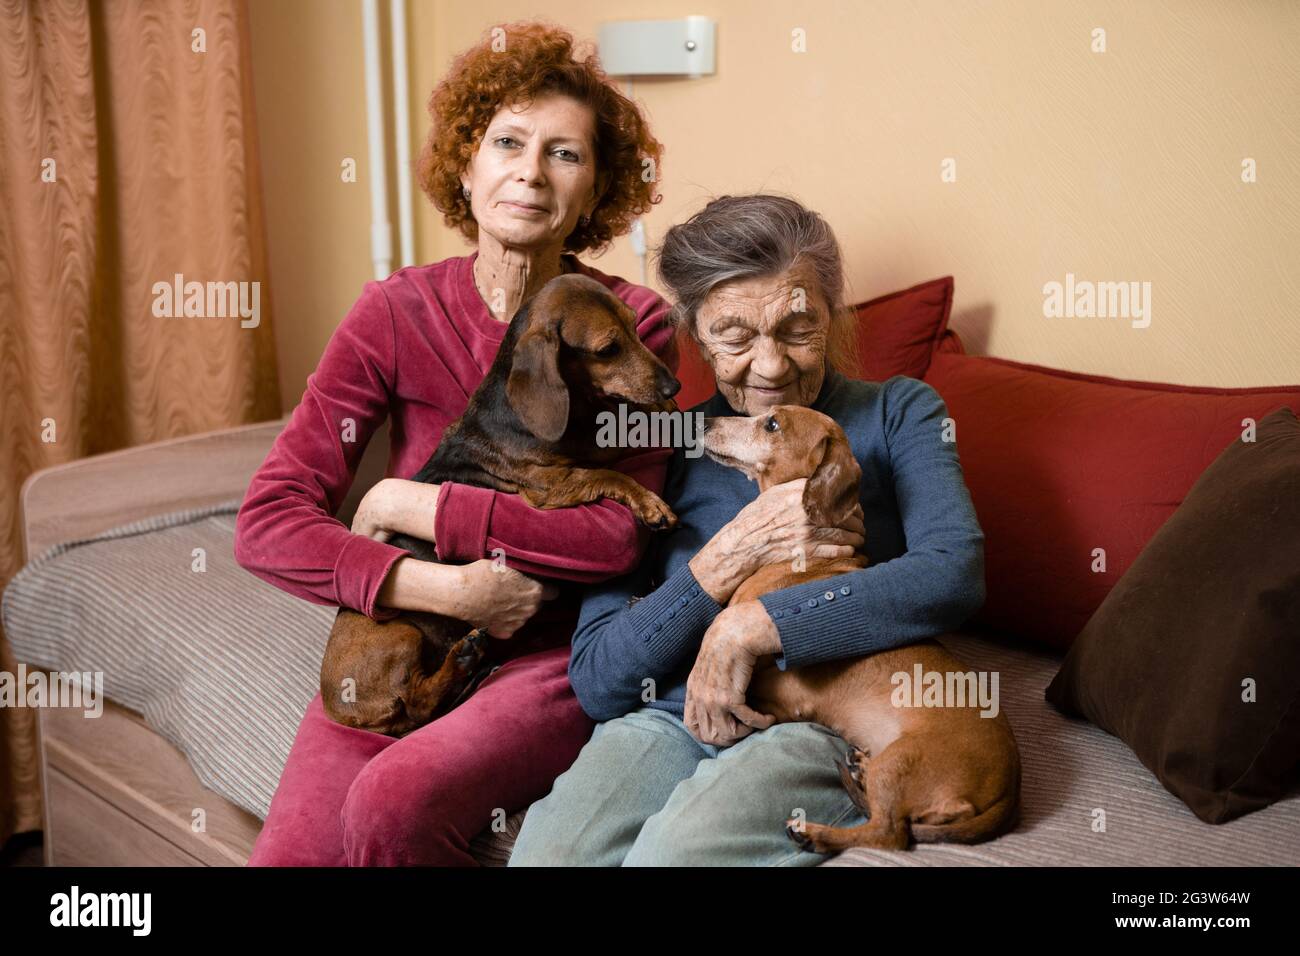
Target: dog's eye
x=771, y=424
x=609, y=351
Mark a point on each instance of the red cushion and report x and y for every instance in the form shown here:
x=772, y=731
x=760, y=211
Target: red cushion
x=1059, y=463
x=897, y=334
x=693, y=372
x=950, y=343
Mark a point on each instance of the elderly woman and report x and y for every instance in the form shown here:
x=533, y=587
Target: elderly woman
x=674, y=775
x=534, y=157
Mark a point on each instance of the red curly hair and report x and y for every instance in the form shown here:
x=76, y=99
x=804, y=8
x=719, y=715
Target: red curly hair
x=537, y=58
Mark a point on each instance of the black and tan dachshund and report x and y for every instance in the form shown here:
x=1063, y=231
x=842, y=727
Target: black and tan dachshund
x=570, y=353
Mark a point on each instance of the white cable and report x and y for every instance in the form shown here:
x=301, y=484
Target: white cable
x=637, y=235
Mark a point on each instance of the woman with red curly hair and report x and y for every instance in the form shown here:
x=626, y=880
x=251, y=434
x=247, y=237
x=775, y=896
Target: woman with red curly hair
x=534, y=157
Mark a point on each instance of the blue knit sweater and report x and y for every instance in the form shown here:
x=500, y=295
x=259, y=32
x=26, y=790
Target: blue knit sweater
x=923, y=539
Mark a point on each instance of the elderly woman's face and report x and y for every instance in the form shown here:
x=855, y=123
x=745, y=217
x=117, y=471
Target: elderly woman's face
x=766, y=339
x=534, y=173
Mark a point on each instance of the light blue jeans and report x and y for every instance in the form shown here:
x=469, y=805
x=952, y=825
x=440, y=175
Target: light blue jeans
x=645, y=792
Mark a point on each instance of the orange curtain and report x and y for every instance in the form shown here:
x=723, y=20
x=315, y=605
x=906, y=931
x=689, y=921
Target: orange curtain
x=128, y=156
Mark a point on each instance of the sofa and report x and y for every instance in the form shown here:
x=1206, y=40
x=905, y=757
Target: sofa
x=206, y=669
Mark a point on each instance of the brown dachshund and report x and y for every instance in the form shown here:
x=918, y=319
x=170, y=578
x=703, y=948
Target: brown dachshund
x=932, y=774
x=570, y=353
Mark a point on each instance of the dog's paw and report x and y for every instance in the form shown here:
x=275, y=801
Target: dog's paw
x=849, y=781
x=654, y=514
x=855, y=763
x=853, y=777
x=469, y=651
x=794, y=829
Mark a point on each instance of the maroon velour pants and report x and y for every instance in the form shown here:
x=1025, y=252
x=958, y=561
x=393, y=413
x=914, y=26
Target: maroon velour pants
x=351, y=797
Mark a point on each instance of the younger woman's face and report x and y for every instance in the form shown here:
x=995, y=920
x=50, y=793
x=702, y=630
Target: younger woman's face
x=534, y=174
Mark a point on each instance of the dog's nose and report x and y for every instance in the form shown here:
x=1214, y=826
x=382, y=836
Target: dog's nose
x=668, y=386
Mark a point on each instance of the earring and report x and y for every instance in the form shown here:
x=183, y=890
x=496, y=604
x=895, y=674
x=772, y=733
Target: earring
x=464, y=191
x=584, y=221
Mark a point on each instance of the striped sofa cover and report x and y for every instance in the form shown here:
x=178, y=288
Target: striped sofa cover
x=223, y=666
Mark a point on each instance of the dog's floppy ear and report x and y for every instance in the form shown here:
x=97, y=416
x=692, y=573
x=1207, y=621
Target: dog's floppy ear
x=535, y=389
x=832, y=491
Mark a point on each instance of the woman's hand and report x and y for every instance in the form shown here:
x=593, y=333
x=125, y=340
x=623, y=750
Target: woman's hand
x=397, y=506
x=486, y=594
x=771, y=529
x=716, y=712
x=496, y=598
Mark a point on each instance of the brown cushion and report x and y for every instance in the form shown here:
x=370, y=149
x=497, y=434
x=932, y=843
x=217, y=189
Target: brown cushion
x=1213, y=600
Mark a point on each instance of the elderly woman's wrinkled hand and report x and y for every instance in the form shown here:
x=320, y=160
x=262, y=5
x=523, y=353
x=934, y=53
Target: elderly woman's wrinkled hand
x=775, y=528
x=771, y=529
x=716, y=712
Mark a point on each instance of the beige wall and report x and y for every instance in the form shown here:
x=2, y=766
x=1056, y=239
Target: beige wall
x=308, y=84
x=1115, y=166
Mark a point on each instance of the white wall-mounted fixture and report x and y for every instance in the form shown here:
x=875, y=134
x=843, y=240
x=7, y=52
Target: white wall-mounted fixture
x=683, y=47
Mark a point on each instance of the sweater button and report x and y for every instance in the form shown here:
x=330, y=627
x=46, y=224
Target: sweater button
x=845, y=589
x=812, y=603
x=683, y=602
x=829, y=595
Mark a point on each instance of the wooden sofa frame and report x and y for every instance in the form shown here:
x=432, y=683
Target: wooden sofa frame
x=115, y=792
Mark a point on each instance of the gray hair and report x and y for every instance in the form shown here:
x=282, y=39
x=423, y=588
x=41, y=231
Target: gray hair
x=743, y=237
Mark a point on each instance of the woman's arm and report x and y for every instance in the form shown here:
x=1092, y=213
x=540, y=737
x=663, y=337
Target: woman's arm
x=588, y=543
x=617, y=647
x=499, y=600
x=285, y=532
x=934, y=587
